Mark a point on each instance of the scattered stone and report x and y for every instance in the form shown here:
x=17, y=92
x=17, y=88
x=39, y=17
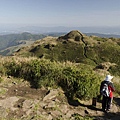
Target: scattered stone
x=9, y=102
x=51, y=105
x=52, y=94
x=8, y=76
x=27, y=104
x=14, y=83
x=64, y=108
x=86, y=111
x=69, y=113
x=15, y=90
x=49, y=117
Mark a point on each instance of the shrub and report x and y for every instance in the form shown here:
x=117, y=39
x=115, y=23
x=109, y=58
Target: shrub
x=76, y=79
x=2, y=70
x=80, y=82
x=13, y=68
x=44, y=73
x=115, y=70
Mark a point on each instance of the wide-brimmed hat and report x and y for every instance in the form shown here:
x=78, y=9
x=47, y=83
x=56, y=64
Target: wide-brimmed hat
x=108, y=78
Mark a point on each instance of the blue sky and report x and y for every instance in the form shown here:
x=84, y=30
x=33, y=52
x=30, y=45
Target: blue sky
x=60, y=12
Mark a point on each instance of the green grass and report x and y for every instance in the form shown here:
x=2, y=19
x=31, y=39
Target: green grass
x=3, y=91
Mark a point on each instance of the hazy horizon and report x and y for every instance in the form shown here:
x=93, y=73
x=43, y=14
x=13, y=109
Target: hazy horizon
x=13, y=28
x=77, y=13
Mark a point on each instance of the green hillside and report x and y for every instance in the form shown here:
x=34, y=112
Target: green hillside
x=77, y=47
x=14, y=39
x=75, y=62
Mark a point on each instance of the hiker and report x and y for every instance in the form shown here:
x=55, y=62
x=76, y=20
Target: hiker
x=107, y=94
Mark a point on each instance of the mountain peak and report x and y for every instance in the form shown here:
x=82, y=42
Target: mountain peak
x=75, y=34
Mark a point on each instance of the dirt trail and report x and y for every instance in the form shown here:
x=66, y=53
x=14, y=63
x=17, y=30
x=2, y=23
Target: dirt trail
x=18, y=101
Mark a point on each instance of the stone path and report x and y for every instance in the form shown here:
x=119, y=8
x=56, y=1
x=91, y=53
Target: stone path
x=20, y=102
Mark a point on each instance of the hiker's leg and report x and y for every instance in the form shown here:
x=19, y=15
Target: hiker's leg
x=109, y=101
x=104, y=103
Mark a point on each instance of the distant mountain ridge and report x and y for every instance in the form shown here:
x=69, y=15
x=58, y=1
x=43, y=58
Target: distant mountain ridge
x=12, y=42
x=10, y=29
x=103, y=35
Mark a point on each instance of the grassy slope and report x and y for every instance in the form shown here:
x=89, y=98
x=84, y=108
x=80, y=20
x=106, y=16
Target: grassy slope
x=91, y=50
x=79, y=48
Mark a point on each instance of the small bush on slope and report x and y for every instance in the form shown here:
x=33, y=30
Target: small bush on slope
x=80, y=81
